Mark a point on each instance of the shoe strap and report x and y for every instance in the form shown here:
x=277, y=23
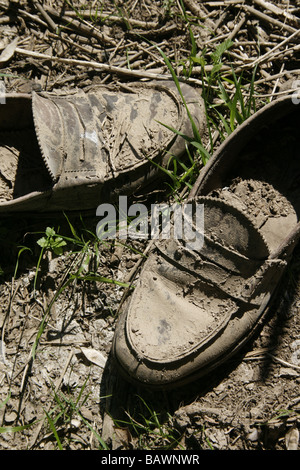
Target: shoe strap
x=234, y=256
x=226, y=226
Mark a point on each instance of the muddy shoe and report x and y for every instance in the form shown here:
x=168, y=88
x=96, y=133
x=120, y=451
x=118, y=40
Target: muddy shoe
x=76, y=151
x=194, y=306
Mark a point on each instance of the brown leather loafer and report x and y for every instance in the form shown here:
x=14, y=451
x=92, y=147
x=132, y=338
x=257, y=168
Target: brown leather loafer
x=192, y=309
x=75, y=151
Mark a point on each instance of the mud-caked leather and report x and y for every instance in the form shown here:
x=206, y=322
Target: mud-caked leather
x=192, y=309
x=93, y=144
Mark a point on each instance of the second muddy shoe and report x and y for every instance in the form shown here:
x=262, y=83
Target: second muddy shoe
x=76, y=150
x=194, y=307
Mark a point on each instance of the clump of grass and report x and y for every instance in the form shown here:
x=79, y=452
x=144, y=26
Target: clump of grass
x=151, y=429
x=196, y=140
x=224, y=110
x=61, y=418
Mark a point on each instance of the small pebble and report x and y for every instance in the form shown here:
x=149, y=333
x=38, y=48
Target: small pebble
x=253, y=435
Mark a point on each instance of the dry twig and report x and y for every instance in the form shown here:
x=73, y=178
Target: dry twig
x=269, y=19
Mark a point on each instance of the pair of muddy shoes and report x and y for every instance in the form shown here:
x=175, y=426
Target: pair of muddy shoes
x=196, y=301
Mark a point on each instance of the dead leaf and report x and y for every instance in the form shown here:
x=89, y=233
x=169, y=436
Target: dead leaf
x=122, y=438
x=94, y=356
x=9, y=51
x=292, y=439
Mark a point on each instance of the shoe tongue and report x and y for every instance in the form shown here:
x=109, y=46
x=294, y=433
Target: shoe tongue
x=49, y=130
x=231, y=228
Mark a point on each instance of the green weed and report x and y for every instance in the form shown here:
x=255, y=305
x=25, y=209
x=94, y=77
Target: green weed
x=52, y=241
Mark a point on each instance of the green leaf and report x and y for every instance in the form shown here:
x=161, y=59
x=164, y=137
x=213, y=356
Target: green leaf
x=50, y=232
x=216, y=68
x=57, y=245
x=197, y=60
x=220, y=49
x=43, y=242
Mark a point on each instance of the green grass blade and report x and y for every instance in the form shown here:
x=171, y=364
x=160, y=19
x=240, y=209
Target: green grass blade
x=205, y=154
x=53, y=429
x=99, y=438
x=225, y=124
x=251, y=95
x=73, y=231
x=176, y=81
x=4, y=429
x=5, y=401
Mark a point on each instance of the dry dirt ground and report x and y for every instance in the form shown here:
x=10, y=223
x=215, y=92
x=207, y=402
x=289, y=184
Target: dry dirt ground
x=57, y=386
